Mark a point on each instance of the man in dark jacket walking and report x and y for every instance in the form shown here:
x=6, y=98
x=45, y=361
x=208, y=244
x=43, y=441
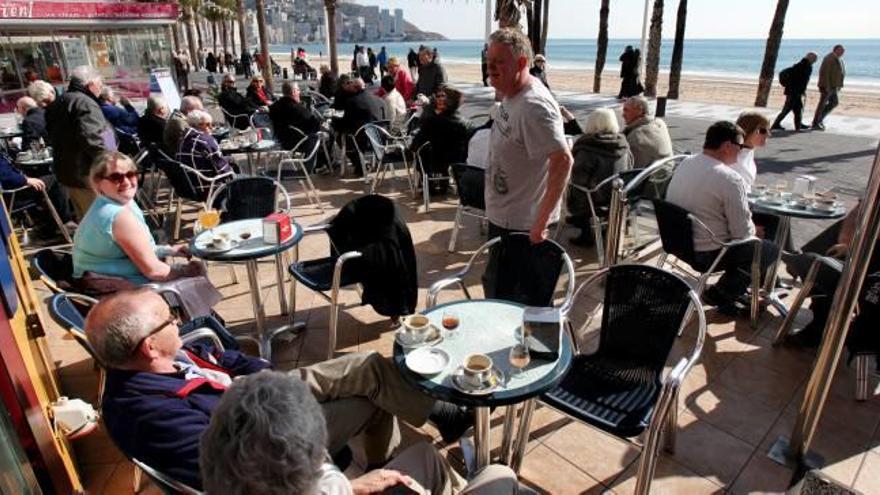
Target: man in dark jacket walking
x=831, y=75
x=431, y=73
x=79, y=132
x=795, y=83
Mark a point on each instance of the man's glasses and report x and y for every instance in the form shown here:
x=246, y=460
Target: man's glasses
x=118, y=177
x=173, y=319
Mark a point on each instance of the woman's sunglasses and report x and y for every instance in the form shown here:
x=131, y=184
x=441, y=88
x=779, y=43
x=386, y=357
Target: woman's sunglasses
x=118, y=177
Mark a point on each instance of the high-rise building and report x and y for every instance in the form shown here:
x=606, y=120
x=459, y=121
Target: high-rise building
x=398, y=22
x=386, y=23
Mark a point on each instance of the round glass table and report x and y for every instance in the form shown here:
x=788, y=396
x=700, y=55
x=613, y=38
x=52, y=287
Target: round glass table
x=249, y=251
x=785, y=209
x=490, y=327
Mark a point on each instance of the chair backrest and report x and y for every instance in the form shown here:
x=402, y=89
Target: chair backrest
x=185, y=185
x=129, y=144
x=643, y=309
x=248, y=197
x=240, y=122
x=166, y=483
x=528, y=273
x=55, y=269
x=676, y=230
x=653, y=180
x=69, y=312
x=470, y=181
x=376, y=140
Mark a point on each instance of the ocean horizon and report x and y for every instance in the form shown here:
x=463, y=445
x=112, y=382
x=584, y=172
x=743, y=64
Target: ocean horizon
x=729, y=58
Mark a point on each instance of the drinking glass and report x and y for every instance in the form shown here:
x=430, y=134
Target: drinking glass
x=209, y=218
x=450, y=323
x=519, y=358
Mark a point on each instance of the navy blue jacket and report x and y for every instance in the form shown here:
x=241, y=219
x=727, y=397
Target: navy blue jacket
x=159, y=418
x=125, y=119
x=10, y=177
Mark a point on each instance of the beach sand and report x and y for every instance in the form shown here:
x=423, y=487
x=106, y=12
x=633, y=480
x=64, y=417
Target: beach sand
x=854, y=101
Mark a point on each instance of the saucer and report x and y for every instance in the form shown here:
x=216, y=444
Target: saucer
x=433, y=338
x=496, y=378
x=209, y=246
x=825, y=209
x=427, y=360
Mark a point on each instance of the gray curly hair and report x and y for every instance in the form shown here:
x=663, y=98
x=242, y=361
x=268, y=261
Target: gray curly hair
x=267, y=435
x=515, y=39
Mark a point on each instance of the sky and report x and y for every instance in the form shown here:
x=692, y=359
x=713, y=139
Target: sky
x=464, y=19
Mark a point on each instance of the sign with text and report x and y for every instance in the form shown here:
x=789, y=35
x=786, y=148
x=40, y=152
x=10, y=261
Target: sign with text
x=86, y=10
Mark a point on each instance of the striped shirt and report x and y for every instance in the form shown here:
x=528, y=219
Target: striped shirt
x=200, y=151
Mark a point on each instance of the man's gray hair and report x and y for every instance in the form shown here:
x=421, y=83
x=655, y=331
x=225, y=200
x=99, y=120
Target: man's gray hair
x=41, y=91
x=198, y=117
x=107, y=94
x=155, y=103
x=190, y=103
x=638, y=102
x=84, y=74
x=515, y=39
x=289, y=88
x=116, y=339
x=267, y=435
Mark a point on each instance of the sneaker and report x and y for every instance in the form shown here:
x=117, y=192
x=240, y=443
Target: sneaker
x=451, y=420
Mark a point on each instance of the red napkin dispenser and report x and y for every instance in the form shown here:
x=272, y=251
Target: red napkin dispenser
x=276, y=228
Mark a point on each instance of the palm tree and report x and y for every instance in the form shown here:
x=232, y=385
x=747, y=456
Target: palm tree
x=601, y=46
x=507, y=13
x=242, y=25
x=677, y=50
x=330, y=12
x=653, y=61
x=264, y=42
x=768, y=68
x=188, y=18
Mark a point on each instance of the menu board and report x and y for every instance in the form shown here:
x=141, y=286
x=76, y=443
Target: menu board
x=162, y=82
x=75, y=52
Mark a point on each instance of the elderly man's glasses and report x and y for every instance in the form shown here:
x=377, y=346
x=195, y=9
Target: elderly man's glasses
x=173, y=319
x=118, y=177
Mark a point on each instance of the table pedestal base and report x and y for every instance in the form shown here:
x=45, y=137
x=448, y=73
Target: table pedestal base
x=264, y=337
x=515, y=436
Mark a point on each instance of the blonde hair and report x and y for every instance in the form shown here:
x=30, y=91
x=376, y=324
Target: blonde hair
x=103, y=161
x=394, y=60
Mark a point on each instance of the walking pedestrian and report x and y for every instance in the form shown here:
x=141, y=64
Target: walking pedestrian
x=831, y=74
x=629, y=73
x=795, y=79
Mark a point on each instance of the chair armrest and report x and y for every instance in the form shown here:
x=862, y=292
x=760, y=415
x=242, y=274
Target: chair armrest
x=439, y=285
x=203, y=333
x=830, y=262
x=13, y=191
x=204, y=177
x=735, y=242
x=312, y=229
x=340, y=263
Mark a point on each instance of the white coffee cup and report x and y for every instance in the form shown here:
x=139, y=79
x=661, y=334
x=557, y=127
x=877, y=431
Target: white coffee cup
x=477, y=369
x=222, y=241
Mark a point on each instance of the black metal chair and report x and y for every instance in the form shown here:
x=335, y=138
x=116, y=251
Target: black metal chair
x=240, y=122
x=470, y=182
x=249, y=197
x=167, y=484
x=533, y=283
x=69, y=312
x=56, y=270
x=339, y=269
x=620, y=388
x=676, y=227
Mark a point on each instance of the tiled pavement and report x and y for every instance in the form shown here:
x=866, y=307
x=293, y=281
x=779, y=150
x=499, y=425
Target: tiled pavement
x=735, y=402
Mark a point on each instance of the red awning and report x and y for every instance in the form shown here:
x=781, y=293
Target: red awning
x=17, y=14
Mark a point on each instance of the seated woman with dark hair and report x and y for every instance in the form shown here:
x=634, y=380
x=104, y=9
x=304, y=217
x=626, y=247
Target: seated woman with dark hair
x=599, y=153
x=446, y=130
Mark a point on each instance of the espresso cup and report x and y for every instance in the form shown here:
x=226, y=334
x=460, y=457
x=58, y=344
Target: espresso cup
x=222, y=241
x=477, y=369
x=416, y=327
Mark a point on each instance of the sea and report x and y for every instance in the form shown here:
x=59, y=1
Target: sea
x=727, y=58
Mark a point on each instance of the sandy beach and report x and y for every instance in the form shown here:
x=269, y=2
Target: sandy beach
x=854, y=101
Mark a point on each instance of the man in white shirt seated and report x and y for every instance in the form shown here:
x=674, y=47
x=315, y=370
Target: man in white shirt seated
x=267, y=436
x=709, y=188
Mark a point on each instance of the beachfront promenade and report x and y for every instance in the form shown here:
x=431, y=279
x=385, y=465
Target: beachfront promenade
x=738, y=399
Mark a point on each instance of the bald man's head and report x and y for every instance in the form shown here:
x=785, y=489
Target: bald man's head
x=120, y=322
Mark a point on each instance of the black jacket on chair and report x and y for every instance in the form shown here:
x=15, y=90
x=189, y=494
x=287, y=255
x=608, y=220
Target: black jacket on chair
x=373, y=225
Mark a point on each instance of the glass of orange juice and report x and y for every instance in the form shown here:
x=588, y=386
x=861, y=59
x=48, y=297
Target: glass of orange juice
x=209, y=218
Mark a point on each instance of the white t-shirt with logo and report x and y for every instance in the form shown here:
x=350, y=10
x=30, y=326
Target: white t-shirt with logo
x=528, y=128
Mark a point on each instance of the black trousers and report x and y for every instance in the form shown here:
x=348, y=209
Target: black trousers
x=737, y=266
x=794, y=104
x=827, y=102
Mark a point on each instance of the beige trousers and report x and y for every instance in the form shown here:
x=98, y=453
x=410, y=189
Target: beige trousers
x=362, y=394
x=434, y=476
x=82, y=199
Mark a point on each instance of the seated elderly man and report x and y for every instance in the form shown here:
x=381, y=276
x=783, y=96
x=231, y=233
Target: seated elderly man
x=268, y=434
x=176, y=126
x=125, y=117
x=289, y=111
x=151, y=126
x=648, y=136
x=42, y=92
x=33, y=124
x=234, y=103
x=707, y=186
x=160, y=396
x=198, y=148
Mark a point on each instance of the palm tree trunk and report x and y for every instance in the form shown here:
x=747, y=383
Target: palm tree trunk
x=191, y=35
x=242, y=25
x=768, y=68
x=530, y=25
x=175, y=36
x=264, y=43
x=214, y=36
x=545, y=25
x=601, y=46
x=677, y=51
x=652, y=68
x=330, y=7
x=224, y=29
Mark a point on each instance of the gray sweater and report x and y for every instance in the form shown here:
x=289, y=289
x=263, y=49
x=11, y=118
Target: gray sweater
x=715, y=194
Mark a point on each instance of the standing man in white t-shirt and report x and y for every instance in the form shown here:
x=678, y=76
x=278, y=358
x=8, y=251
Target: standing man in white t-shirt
x=529, y=159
